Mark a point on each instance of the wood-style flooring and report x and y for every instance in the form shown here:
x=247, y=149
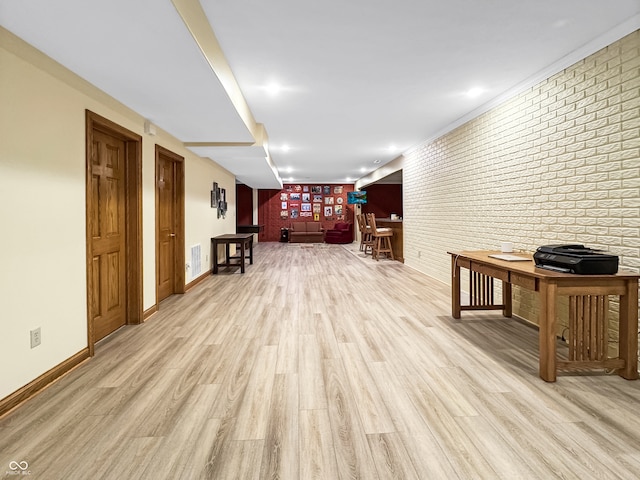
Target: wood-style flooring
x=318, y=363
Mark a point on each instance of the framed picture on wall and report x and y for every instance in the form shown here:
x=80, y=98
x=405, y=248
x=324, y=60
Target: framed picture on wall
x=328, y=211
x=222, y=203
x=316, y=189
x=215, y=195
x=306, y=197
x=305, y=207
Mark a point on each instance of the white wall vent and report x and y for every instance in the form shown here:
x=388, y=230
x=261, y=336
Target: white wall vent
x=196, y=263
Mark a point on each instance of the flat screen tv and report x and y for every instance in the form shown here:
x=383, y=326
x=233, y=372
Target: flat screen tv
x=357, y=197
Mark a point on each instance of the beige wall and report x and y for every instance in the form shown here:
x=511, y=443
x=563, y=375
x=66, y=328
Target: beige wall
x=42, y=207
x=559, y=163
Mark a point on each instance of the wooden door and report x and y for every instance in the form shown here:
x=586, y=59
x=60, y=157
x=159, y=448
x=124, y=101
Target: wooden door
x=169, y=236
x=108, y=234
x=114, y=227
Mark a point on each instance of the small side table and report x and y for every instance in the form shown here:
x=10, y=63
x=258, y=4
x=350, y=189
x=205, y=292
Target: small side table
x=243, y=240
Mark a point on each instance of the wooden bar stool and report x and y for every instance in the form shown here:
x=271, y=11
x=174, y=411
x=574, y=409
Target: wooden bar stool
x=366, y=239
x=381, y=238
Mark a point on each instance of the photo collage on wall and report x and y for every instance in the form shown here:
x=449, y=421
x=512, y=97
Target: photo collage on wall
x=320, y=202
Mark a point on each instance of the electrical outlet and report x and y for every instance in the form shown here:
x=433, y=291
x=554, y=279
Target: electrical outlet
x=36, y=338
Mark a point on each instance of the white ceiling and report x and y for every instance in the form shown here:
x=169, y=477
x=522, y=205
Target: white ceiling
x=356, y=76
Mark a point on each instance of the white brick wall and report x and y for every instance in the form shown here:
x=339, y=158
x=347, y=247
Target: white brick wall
x=559, y=163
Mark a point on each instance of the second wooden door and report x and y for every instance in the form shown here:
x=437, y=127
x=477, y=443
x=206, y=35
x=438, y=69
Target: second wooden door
x=169, y=223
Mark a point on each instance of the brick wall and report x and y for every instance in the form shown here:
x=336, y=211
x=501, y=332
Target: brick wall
x=274, y=217
x=559, y=163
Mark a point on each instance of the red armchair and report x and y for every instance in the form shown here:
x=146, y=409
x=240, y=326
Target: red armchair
x=340, y=233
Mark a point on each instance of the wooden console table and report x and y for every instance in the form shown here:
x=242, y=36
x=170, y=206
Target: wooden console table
x=588, y=309
x=243, y=240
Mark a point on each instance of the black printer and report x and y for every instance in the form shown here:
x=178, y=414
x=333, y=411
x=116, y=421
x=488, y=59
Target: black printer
x=575, y=259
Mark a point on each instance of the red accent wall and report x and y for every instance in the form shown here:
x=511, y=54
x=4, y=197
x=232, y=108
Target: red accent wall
x=244, y=204
x=274, y=217
x=383, y=200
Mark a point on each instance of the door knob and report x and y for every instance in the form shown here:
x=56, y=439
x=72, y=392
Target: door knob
x=172, y=234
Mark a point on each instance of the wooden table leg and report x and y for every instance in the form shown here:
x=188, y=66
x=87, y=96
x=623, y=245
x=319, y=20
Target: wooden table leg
x=628, y=337
x=242, y=256
x=506, y=300
x=547, y=335
x=215, y=256
x=455, y=287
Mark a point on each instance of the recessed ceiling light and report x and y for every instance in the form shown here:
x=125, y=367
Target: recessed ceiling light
x=273, y=89
x=392, y=148
x=363, y=169
x=285, y=148
x=475, y=92
x=376, y=161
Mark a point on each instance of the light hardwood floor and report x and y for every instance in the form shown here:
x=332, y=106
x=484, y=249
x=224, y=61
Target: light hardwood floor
x=320, y=364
